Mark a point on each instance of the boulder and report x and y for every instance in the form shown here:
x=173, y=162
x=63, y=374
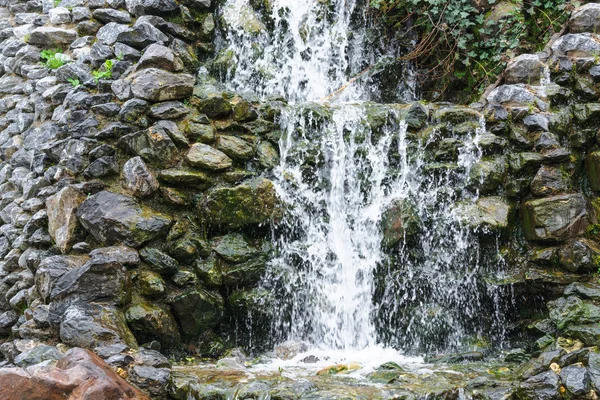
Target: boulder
x=577, y=45
x=197, y=311
x=94, y=281
x=489, y=214
x=107, y=15
x=154, y=145
x=155, y=85
x=399, y=221
x=592, y=167
x=204, y=156
x=234, y=248
x=150, y=322
x=252, y=203
x=488, y=174
x=94, y=325
x=108, y=33
x=127, y=256
x=62, y=217
x=576, y=379
x=184, y=178
x=585, y=19
x=138, y=179
x=567, y=311
x=235, y=147
x=150, y=7
x=554, y=218
x=115, y=218
x=48, y=36
x=159, y=261
x=159, y=56
x=51, y=269
x=544, y=386
x=526, y=68
x=141, y=35
x=549, y=181
x=80, y=374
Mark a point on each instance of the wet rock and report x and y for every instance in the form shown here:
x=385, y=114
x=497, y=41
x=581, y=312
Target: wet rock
x=488, y=174
x=206, y=157
x=244, y=112
x=584, y=290
x=151, y=284
x=149, y=322
x=156, y=85
x=234, y=248
x=102, y=167
x=159, y=261
x=235, y=147
x=197, y=311
x=215, y=107
x=114, y=218
x=290, y=349
x=138, y=179
x=576, y=379
x=168, y=110
x=550, y=180
x=267, y=155
x=588, y=334
x=585, y=19
x=37, y=355
x=51, y=269
x=554, y=218
x=251, y=203
x=544, y=386
x=487, y=214
x=93, y=325
x=573, y=311
x=120, y=254
x=526, y=68
x=592, y=166
x=179, y=177
x=80, y=374
x=62, y=217
x=93, y=281
x=154, y=145
x=399, y=221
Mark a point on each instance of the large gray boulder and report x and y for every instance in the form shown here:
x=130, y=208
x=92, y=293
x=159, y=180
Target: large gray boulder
x=150, y=7
x=62, y=218
x=585, y=19
x=205, y=157
x=156, y=85
x=48, y=36
x=115, y=218
x=554, y=218
x=526, y=68
x=577, y=45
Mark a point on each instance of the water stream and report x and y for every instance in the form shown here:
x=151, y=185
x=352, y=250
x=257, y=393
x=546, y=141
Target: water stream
x=342, y=166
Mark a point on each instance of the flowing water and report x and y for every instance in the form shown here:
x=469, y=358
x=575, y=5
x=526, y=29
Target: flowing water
x=342, y=166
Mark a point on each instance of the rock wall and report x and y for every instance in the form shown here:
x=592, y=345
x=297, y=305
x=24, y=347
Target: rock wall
x=135, y=201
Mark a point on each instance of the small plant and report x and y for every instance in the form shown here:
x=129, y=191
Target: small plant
x=56, y=3
x=52, y=58
x=74, y=82
x=120, y=57
x=26, y=37
x=105, y=72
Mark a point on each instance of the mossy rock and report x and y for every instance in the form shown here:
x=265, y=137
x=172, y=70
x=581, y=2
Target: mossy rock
x=252, y=203
x=149, y=322
x=399, y=221
x=197, y=311
x=186, y=178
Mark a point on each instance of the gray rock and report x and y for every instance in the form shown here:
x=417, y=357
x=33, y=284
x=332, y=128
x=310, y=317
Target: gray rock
x=94, y=325
x=487, y=214
x=577, y=45
x=51, y=269
x=138, y=179
x=197, y=311
x=113, y=218
x=152, y=380
x=133, y=110
x=81, y=14
x=142, y=35
x=120, y=254
x=554, y=218
x=168, y=110
x=62, y=218
x=159, y=56
x=204, y=156
x=154, y=145
x=59, y=15
x=550, y=180
x=235, y=147
x=37, y=355
x=102, y=167
x=108, y=33
x=107, y=15
x=526, y=68
x=576, y=379
x=126, y=52
x=159, y=261
x=151, y=7
x=156, y=85
x=585, y=19
x=47, y=36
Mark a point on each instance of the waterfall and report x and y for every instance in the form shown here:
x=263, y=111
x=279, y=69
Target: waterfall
x=342, y=166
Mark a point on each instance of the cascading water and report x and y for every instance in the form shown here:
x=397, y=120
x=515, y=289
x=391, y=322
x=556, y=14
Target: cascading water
x=341, y=168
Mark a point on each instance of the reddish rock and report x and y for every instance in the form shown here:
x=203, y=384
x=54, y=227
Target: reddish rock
x=79, y=375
